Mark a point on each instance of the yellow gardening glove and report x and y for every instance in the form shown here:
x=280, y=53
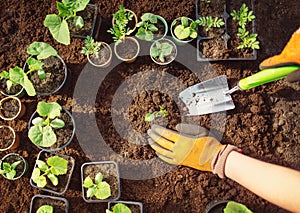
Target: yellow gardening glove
x=190, y=146
x=290, y=55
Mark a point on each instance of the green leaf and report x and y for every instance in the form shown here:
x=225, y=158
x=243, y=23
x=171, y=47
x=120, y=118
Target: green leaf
x=76, y=5
x=193, y=34
x=149, y=117
x=34, y=64
x=51, y=109
x=6, y=166
x=38, y=179
x=2, y=172
x=42, y=136
x=154, y=52
x=37, y=121
x=9, y=84
x=4, y=74
x=91, y=192
x=45, y=209
x=41, y=50
x=98, y=178
x=42, y=165
x=15, y=164
x=58, y=28
x=166, y=49
x=234, y=207
x=11, y=174
x=181, y=32
x=121, y=208
x=78, y=22
x=152, y=28
x=59, y=165
x=57, y=123
x=103, y=191
x=88, y=182
x=41, y=74
x=18, y=76
x=184, y=21
x=53, y=179
x=63, y=10
x=148, y=36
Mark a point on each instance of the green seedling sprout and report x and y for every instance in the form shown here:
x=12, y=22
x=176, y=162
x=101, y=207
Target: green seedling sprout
x=243, y=16
x=233, y=207
x=161, y=50
x=185, y=30
x=100, y=189
x=209, y=22
x=147, y=27
x=91, y=47
x=45, y=209
x=57, y=23
x=17, y=76
x=41, y=133
x=9, y=170
x=55, y=166
x=152, y=116
x=119, y=208
x=120, y=29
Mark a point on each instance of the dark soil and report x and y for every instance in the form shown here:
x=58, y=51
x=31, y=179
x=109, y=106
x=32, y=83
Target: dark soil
x=127, y=49
x=13, y=90
x=161, y=30
x=59, y=206
x=265, y=122
x=55, y=74
x=14, y=158
x=63, y=180
x=110, y=175
x=7, y=137
x=10, y=108
x=102, y=56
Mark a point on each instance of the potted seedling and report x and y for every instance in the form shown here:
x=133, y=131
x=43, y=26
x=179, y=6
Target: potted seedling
x=9, y=89
x=100, y=181
x=126, y=48
x=51, y=127
x=52, y=172
x=13, y=166
x=226, y=207
x=151, y=27
x=99, y=54
x=183, y=30
x=162, y=113
x=46, y=204
x=124, y=207
x=163, y=51
x=11, y=108
x=8, y=138
x=209, y=22
x=71, y=17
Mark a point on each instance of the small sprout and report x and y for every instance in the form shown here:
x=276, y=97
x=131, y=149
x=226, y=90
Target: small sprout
x=119, y=208
x=147, y=27
x=55, y=166
x=161, y=50
x=42, y=134
x=185, y=30
x=9, y=170
x=91, y=47
x=45, y=209
x=209, y=22
x=157, y=114
x=100, y=189
x=236, y=207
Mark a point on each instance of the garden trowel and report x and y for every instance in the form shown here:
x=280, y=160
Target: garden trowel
x=214, y=95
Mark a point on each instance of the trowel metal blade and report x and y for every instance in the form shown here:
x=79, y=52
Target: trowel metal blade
x=207, y=97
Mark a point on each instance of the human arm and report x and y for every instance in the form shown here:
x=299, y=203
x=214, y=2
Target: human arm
x=277, y=184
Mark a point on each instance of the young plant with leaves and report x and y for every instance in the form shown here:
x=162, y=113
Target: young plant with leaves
x=147, y=27
x=157, y=114
x=42, y=133
x=17, y=75
x=91, y=47
x=119, y=208
x=248, y=40
x=9, y=170
x=100, y=189
x=45, y=209
x=57, y=23
x=54, y=166
x=236, y=207
x=185, y=29
x=243, y=15
x=161, y=50
x=120, y=28
x=209, y=22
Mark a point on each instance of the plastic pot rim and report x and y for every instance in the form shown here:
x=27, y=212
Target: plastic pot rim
x=19, y=106
x=22, y=158
x=50, y=197
x=14, y=138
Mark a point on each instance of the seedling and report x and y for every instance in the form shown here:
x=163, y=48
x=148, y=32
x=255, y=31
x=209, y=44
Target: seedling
x=243, y=15
x=209, y=22
x=91, y=47
x=185, y=29
x=147, y=27
x=45, y=209
x=9, y=170
x=119, y=208
x=152, y=116
x=17, y=76
x=55, y=166
x=100, y=189
x=236, y=207
x=161, y=50
x=120, y=29
x=42, y=134
x=58, y=25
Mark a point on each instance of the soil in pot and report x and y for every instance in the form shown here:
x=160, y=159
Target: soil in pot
x=178, y=22
x=102, y=56
x=110, y=175
x=161, y=30
x=59, y=206
x=127, y=49
x=214, y=8
x=13, y=90
x=63, y=180
x=10, y=108
x=214, y=48
x=135, y=208
x=6, y=138
x=14, y=158
x=55, y=75
x=170, y=57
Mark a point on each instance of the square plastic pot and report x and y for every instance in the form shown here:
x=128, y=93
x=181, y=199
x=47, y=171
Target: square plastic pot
x=59, y=204
x=110, y=171
x=63, y=180
x=135, y=207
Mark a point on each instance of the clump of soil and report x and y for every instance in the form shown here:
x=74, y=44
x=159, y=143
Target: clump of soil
x=10, y=108
x=59, y=206
x=6, y=137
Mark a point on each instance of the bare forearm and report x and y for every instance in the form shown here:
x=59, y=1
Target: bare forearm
x=277, y=184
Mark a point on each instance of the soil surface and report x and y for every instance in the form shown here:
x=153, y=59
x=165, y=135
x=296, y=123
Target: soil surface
x=7, y=137
x=59, y=206
x=264, y=124
x=127, y=49
x=10, y=108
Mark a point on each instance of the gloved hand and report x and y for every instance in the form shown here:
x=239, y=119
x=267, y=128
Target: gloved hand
x=190, y=146
x=290, y=55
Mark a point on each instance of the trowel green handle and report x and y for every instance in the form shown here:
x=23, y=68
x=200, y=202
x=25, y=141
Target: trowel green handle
x=266, y=76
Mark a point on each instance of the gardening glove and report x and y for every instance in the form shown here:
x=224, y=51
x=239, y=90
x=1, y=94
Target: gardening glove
x=190, y=146
x=290, y=55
